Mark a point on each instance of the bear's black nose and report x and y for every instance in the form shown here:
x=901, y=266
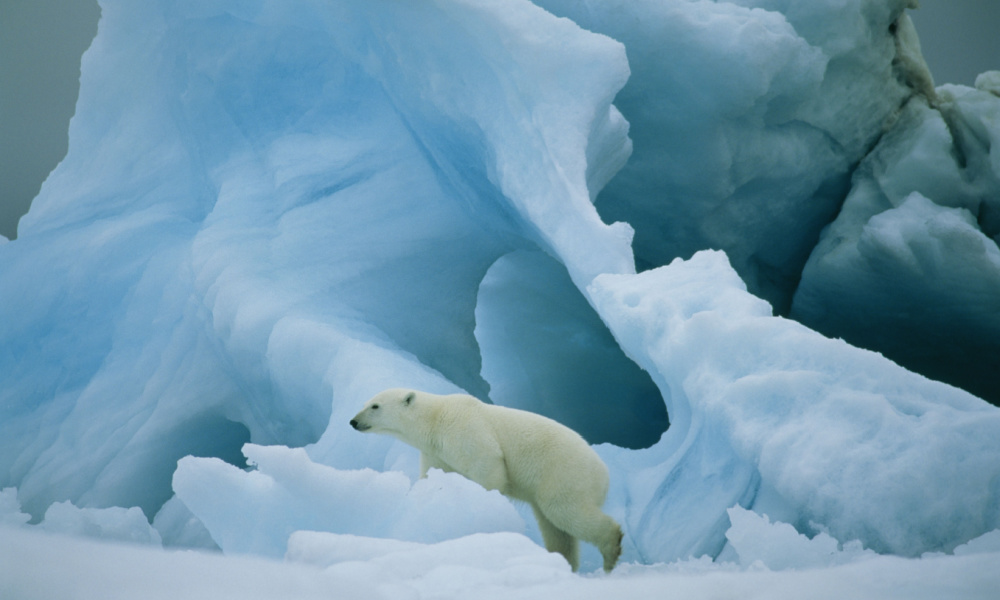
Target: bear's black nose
x=354, y=423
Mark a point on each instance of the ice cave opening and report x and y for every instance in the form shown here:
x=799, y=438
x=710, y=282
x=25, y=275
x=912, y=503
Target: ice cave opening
x=545, y=349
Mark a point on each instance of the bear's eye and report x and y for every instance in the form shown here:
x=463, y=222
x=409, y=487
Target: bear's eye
x=374, y=406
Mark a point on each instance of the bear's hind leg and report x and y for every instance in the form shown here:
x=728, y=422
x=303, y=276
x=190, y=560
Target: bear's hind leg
x=612, y=549
x=557, y=540
x=604, y=532
x=591, y=525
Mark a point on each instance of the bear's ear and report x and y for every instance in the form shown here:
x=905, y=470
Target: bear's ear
x=409, y=399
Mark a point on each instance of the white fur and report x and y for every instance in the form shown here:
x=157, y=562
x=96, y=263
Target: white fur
x=523, y=455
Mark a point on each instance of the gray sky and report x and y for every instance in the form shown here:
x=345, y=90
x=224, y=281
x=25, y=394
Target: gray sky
x=959, y=38
x=40, y=46
x=41, y=42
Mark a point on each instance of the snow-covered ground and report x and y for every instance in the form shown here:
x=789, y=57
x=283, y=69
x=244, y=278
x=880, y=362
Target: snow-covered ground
x=38, y=566
x=607, y=212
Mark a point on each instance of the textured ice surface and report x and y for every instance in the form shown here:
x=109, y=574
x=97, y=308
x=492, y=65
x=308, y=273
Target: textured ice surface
x=747, y=118
x=778, y=546
x=271, y=211
x=911, y=266
x=771, y=415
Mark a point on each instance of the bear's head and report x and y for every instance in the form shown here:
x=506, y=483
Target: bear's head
x=386, y=412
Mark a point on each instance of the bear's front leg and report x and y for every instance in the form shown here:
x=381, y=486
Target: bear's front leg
x=476, y=454
x=428, y=462
x=491, y=473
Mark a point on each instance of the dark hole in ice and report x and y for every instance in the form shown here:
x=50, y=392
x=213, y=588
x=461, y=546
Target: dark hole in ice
x=205, y=436
x=545, y=349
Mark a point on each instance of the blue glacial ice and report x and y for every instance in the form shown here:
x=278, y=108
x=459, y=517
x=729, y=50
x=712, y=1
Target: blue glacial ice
x=271, y=211
x=747, y=118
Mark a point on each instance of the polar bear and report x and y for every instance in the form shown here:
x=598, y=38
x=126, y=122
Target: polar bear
x=524, y=456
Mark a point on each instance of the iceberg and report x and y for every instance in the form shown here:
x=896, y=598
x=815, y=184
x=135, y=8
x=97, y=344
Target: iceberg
x=256, y=259
x=272, y=210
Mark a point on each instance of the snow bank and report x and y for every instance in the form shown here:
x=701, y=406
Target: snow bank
x=497, y=561
x=114, y=523
x=287, y=492
x=777, y=546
